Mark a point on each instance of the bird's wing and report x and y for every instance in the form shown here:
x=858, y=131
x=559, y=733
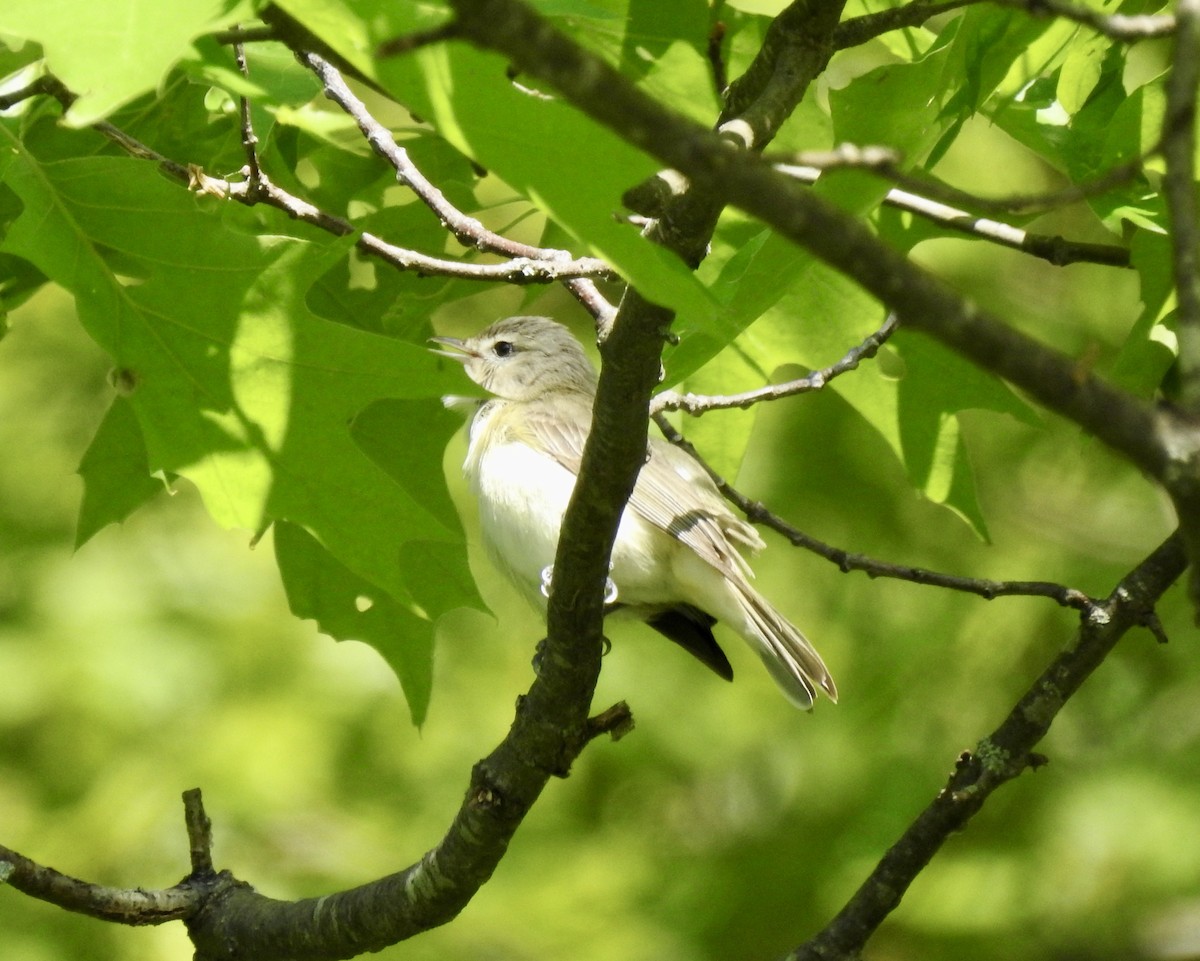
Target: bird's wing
x=673, y=492
x=558, y=427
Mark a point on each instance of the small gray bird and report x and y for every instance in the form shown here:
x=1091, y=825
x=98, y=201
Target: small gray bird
x=676, y=561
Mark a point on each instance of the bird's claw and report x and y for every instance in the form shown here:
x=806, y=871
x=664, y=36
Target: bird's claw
x=610, y=586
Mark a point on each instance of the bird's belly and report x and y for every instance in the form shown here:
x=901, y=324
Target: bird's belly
x=522, y=497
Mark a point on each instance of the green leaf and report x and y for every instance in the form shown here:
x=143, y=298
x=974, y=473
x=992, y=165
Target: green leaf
x=1081, y=73
x=109, y=53
x=349, y=608
x=938, y=385
x=1150, y=349
x=236, y=385
x=115, y=472
x=384, y=430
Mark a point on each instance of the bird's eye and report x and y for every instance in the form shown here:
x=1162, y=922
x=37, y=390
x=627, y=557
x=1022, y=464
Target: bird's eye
x=503, y=348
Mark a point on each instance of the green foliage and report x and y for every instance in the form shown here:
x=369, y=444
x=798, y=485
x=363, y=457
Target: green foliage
x=271, y=369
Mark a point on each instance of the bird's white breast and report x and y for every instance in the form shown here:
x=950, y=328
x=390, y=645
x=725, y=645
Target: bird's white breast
x=522, y=497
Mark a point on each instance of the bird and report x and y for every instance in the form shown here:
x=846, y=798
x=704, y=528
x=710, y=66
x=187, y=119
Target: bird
x=677, y=560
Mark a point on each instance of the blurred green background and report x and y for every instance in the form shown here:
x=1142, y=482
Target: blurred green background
x=161, y=656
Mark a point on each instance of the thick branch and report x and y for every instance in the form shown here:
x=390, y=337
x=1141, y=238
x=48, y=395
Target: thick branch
x=795, y=51
x=998, y=758
x=1181, y=432
x=229, y=921
x=1179, y=188
x=236, y=923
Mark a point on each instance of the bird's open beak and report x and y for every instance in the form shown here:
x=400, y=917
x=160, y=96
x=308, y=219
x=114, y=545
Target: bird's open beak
x=460, y=351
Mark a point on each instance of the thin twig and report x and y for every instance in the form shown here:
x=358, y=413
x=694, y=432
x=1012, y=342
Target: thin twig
x=467, y=230
x=1115, y=26
x=236, y=35
x=858, y=30
x=134, y=906
x=716, y=58
x=883, y=163
x=417, y=39
x=519, y=270
x=249, y=137
x=38, y=88
x=696, y=404
x=845, y=156
x=1054, y=249
x=199, y=832
x=515, y=270
x=847, y=561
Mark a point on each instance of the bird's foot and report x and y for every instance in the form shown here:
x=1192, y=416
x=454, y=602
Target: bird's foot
x=610, y=586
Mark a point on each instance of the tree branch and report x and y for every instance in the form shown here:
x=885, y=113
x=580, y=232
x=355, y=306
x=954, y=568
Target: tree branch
x=859, y=30
x=1116, y=26
x=1054, y=249
x=1181, y=432
x=469, y=231
x=998, y=758
x=1179, y=188
x=123, y=906
x=229, y=921
x=885, y=163
x=795, y=50
x=696, y=405
x=847, y=561
x=546, y=267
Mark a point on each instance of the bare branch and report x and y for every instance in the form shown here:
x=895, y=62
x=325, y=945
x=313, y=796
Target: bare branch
x=796, y=48
x=1054, y=249
x=696, y=405
x=884, y=163
x=125, y=906
x=540, y=267
x=42, y=86
x=859, y=30
x=1116, y=26
x=199, y=831
x=467, y=230
x=999, y=757
x=249, y=137
x=1179, y=188
x=417, y=39
x=847, y=561
x=1181, y=429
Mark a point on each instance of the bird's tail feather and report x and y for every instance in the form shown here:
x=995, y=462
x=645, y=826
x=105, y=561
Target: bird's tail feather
x=790, y=658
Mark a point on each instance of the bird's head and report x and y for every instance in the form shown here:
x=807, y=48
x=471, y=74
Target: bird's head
x=523, y=358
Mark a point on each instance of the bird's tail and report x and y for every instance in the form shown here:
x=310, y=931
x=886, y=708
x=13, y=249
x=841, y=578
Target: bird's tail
x=791, y=659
